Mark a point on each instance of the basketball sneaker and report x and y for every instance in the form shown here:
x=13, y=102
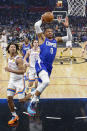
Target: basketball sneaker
x=71, y=57
x=31, y=109
x=13, y=120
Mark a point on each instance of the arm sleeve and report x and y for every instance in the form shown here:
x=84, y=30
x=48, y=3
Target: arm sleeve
x=68, y=37
x=37, y=27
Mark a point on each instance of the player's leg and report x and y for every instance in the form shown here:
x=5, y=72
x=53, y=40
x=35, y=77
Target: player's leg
x=20, y=89
x=43, y=78
x=10, y=94
x=65, y=49
x=28, y=92
x=11, y=103
x=34, y=79
x=36, y=83
x=43, y=75
x=71, y=52
x=43, y=83
x=30, y=84
x=61, y=53
x=29, y=88
x=83, y=51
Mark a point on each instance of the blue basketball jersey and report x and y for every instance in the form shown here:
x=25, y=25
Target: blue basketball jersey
x=25, y=49
x=48, y=51
x=47, y=55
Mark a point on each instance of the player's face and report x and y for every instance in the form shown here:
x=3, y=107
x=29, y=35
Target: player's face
x=35, y=43
x=12, y=49
x=26, y=40
x=49, y=33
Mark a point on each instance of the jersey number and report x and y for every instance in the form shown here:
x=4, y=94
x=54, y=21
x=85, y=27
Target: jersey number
x=51, y=50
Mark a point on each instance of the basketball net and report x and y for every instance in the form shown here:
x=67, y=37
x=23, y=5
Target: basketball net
x=76, y=7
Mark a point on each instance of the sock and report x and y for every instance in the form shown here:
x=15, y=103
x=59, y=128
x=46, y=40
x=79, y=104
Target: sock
x=34, y=99
x=33, y=91
x=14, y=113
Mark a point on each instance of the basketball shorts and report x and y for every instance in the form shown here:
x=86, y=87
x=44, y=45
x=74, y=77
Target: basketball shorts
x=39, y=66
x=68, y=44
x=16, y=87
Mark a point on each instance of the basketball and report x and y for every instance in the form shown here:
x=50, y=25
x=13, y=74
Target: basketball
x=47, y=17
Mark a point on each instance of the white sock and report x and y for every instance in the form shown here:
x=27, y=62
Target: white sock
x=34, y=99
x=33, y=92
x=14, y=113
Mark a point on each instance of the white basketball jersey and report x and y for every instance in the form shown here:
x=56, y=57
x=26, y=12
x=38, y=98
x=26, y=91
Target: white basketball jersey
x=12, y=64
x=34, y=55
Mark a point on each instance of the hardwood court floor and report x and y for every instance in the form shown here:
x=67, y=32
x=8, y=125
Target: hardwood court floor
x=66, y=81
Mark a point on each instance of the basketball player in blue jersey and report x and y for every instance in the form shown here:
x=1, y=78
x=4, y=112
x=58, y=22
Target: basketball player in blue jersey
x=25, y=47
x=48, y=49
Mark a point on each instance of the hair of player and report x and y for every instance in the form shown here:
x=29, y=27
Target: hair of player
x=16, y=45
x=26, y=38
x=33, y=41
x=35, y=38
x=48, y=26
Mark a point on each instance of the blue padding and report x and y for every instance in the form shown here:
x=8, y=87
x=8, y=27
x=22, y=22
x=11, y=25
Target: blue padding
x=5, y=100
x=48, y=99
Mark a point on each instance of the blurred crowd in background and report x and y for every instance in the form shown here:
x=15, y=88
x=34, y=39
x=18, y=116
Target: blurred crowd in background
x=17, y=18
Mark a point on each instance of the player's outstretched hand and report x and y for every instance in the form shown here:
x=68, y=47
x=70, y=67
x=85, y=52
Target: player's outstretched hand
x=59, y=19
x=66, y=23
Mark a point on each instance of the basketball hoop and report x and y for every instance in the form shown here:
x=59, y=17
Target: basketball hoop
x=76, y=7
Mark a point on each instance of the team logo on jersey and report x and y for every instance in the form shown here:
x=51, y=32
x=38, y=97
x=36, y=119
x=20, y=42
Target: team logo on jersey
x=26, y=48
x=48, y=43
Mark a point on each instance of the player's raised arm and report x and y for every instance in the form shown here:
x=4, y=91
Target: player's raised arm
x=69, y=34
x=39, y=31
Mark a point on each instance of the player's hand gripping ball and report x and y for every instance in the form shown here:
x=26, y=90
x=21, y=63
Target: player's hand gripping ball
x=47, y=17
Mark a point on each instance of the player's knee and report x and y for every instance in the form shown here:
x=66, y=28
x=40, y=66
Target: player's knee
x=43, y=85
x=44, y=77
x=46, y=81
